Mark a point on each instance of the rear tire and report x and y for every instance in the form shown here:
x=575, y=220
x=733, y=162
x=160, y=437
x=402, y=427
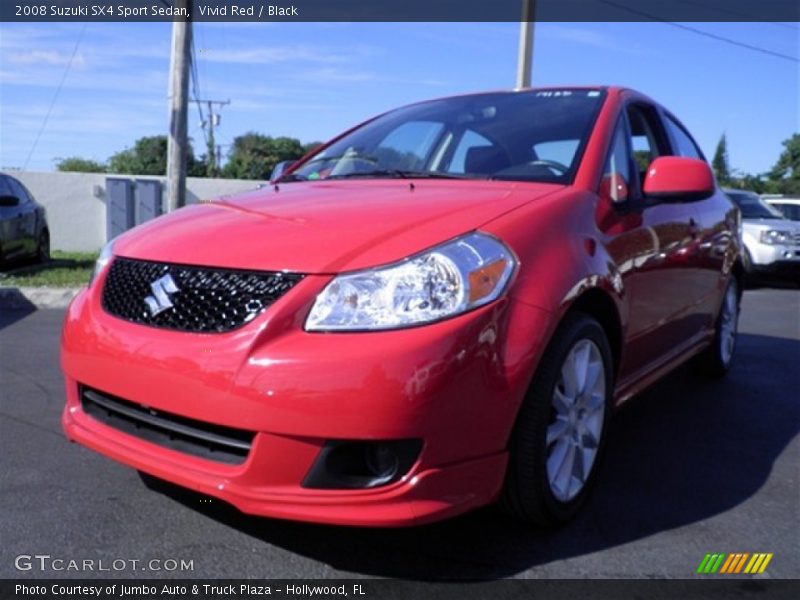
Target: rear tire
x=715, y=361
x=560, y=431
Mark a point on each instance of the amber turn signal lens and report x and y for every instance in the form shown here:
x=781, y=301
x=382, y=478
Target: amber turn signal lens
x=483, y=281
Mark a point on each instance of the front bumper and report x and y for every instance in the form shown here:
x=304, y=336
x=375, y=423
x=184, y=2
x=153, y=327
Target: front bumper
x=774, y=262
x=455, y=385
x=769, y=256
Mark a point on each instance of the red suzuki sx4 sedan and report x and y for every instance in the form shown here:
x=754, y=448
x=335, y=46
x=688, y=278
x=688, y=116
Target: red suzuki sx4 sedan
x=437, y=310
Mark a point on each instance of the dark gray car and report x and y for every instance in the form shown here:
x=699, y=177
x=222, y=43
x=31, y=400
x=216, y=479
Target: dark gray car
x=23, y=223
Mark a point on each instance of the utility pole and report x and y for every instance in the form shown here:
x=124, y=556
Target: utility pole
x=212, y=151
x=525, y=54
x=177, y=143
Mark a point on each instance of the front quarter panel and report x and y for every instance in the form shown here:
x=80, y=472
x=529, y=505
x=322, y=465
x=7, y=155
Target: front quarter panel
x=562, y=255
x=560, y=250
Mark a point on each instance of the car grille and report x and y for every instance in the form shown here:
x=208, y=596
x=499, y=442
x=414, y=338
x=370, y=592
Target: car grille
x=797, y=239
x=198, y=299
x=212, y=442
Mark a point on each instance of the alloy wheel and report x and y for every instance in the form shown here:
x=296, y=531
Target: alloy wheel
x=577, y=414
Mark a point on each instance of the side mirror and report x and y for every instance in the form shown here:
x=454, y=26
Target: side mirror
x=9, y=201
x=678, y=179
x=280, y=169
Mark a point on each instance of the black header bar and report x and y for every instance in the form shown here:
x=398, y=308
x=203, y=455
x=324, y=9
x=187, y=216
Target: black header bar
x=400, y=10
x=716, y=588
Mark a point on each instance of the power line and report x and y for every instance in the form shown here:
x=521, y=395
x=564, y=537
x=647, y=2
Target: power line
x=712, y=36
x=196, y=90
x=212, y=155
x=213, y=150
x=55, y=97
x=746, y=16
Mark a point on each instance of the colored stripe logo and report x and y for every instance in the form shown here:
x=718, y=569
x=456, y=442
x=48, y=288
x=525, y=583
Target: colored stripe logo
x=737, y=562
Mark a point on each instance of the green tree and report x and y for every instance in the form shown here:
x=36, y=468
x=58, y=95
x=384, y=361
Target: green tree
x=753, y=183
x=786, y=172
x=80, y=165
x=253, y=156
x=311, y=146
x=720, y=162
x=149, y=157
x=198, y=167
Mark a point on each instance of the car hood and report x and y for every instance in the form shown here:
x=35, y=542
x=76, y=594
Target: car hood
x=325, y=227
x=759, y=225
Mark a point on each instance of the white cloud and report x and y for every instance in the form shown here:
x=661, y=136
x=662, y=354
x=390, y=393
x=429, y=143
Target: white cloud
x=272, y=55
x=334, y=75
x=254, y=105
x=143, y=82
x=578, y=35
x=45, y=57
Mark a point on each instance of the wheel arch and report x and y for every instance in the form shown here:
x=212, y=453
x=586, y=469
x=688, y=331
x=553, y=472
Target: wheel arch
x=599, y=304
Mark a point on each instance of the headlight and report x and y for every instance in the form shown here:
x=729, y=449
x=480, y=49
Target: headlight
x=106, y=254
x=775, y=236
x=439, y=283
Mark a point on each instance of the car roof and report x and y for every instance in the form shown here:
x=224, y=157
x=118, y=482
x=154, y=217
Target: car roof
x=611, y=90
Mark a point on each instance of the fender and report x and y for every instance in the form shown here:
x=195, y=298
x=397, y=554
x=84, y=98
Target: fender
x=546, y=294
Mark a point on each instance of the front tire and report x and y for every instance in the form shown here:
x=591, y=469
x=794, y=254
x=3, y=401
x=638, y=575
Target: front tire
x=43, y=247
x=561, y=428
x=715, y=361
x=749, y=276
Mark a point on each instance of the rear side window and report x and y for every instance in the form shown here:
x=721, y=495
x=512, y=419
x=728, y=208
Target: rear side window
x=684, y=144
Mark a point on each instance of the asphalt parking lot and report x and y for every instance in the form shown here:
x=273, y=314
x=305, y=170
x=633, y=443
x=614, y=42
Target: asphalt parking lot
x=692, y=467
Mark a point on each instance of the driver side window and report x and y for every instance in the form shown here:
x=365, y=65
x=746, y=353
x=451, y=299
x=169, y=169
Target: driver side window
x=647, y=139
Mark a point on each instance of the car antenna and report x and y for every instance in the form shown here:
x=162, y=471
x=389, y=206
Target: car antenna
x=411, y=187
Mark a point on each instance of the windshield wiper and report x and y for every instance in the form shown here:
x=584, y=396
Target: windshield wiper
x=290, y=177
x=390, y=173
x=400, y=174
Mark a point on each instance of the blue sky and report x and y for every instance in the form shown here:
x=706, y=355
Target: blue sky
x=312, y=80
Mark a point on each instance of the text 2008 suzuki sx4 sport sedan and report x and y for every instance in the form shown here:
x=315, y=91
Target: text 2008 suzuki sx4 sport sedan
x=437, y=310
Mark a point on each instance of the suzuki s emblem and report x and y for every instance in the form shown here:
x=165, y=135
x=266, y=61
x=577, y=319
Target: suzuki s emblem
x=162, y=288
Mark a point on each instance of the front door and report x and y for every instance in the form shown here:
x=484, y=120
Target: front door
x=654, y=251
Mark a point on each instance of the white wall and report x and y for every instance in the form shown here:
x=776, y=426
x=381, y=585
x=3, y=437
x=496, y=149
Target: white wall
x=76, y=202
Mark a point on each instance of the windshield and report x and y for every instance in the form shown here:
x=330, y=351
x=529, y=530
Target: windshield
x=752, y=207
x=535, y=135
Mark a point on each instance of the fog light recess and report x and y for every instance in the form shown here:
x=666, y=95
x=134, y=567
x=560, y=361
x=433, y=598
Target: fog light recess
x=345, y=464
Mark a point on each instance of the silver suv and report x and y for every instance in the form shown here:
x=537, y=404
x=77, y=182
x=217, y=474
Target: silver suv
x=771, y=241
x=790, y=207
